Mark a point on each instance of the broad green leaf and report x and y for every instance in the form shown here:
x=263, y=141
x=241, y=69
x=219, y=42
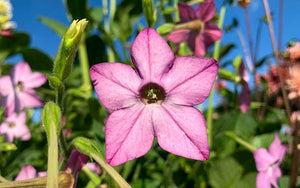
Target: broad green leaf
x=78, y=9
x=247, y=181
x=37, y=60
x=225, y=173
x=54, y=25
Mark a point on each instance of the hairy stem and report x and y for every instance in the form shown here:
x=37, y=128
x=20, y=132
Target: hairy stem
x=84, y=65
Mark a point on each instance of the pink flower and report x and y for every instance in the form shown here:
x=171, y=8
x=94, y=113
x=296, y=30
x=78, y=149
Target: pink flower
x=199, y=33
x=14, y=127
x=94, y=167
x=29, y=172
x=244, y=97
x=156, y=99
x=75, y=163
x=267, y=164
x=17, y=89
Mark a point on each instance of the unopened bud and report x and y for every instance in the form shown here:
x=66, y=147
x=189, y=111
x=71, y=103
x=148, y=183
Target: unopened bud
x=244, y=3
x=65, y=180
x=68, y=48
x=165, y=28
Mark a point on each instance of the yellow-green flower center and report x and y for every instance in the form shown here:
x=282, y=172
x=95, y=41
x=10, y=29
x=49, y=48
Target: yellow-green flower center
x=152, y=93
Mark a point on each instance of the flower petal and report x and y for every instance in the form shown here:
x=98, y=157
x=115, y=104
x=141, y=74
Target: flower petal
x=181, y=130
x=275, y=174
x=20, y=72
x=128, y=134
x=9, y=102
x=6, y=86
x=262, y=180
x=35, y=80
x=29, y=99
x=211, y=33
x=200, y=45
x=244, y=98
x=179, y=36
x=263, y=159
x=190, y=80
x=27, y=172
x=276, y=149
x=151, y=55
x=116, y=84
x=206, y=10
x=186, y=12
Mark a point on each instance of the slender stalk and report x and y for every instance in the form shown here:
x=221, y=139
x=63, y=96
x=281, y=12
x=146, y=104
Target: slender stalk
x=245, y=49
x=249, y=32
x=294, y=165
x=276, y=53
x=295, y=156
x=84, y=65
x=113, y=173
x=211, y=95
x=280, y=24
x=52, y=172
x=240, y=141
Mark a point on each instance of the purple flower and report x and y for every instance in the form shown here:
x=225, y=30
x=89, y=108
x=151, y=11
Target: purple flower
x=14, y=127
x=267, y=164
x=156, y=99
x=29, y=172
x=199, y=33
x=244, y=97
x=17, y=89
x=75, y=163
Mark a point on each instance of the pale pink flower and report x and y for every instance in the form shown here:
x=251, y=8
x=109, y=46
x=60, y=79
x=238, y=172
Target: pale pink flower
x=14, y=127
x=293, y=82
x=156, y=99
x=199, y=33
x=17, y=89
x=267, y=164
x=294, y=52
x=94, y=167
x=29, y=172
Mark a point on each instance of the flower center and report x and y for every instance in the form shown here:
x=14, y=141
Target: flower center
x=20, y=86
x=11, y=125
x=152, y=93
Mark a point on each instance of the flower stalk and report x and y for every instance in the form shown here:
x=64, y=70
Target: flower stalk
x=211, y=95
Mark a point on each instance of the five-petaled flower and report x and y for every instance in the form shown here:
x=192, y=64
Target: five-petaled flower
x=267, y=164
x=197, y=31
x=156, y=99
x=14, y=127
x=17, y=89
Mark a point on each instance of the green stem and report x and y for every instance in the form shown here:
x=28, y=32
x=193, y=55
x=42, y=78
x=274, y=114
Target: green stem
x=52, y=172
x=112, y=172
x=240, y=141
x=84, y=65
x=211, y=95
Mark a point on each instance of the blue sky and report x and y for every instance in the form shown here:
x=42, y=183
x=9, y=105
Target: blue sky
x=25, y=13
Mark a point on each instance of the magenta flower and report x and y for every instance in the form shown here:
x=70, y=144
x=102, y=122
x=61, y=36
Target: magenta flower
x=198, y=32
x=17, y=89
x=14, y=127
x=75, y=163
x=156, y=99
x=94, y=167
x=29, y=172
x=244, y=97
x=267, y=164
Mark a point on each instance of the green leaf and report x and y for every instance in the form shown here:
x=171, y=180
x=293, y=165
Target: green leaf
x=226, y=75
x=96, y=14
x=11, y=46
x=245, y=125
x=236, y=64
x=54, y=82
x=37, y=60
x=51, y=116
x=165, y=28
x=264, y=140
x=248, y=181
x=77, y=8
x=54, y=25
x=225, y=173
x=224, y=50
x=7, y=147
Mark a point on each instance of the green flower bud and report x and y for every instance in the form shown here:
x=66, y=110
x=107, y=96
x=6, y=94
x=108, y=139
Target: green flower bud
x=7, y=147
x=51, y=116
x=68, y=48
x=165, y=28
